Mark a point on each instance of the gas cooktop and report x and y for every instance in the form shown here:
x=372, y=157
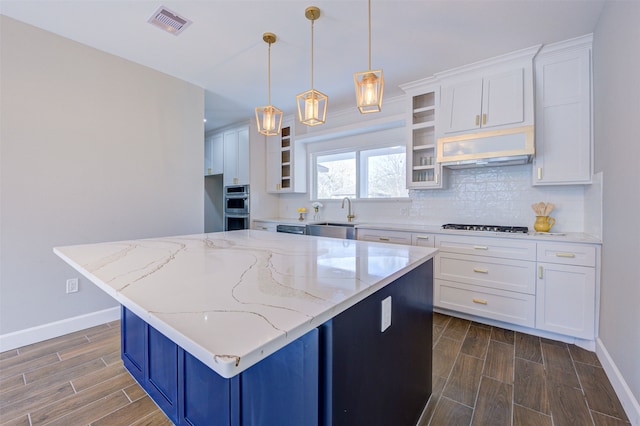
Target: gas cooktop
x=490, y=228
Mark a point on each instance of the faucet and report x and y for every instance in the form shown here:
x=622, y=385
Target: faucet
x=349, y=215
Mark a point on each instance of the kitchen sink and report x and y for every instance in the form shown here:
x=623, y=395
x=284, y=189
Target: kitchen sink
x=333, y=229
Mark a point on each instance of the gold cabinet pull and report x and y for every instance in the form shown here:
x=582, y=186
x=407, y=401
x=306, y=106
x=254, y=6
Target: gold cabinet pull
x=480, y=248
x=479, y=301
x=436, y=178
x=540, y=272
x=383, y=239
x=422, y=237
x=477, y=120
x=484, y=119
x=539, y=173
x=481, y=271
x=560, y=254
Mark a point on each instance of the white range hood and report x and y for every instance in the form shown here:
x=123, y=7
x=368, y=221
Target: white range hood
x=490, y=148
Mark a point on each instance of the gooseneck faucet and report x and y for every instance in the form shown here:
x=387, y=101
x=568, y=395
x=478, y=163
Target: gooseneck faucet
x=349, y=215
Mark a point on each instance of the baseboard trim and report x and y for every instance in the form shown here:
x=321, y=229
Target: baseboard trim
x=626, y=397
x=43, y=332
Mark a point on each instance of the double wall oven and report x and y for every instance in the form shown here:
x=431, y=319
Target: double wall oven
x=236, y=207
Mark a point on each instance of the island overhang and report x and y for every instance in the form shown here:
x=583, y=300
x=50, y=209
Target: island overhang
x=231, y=299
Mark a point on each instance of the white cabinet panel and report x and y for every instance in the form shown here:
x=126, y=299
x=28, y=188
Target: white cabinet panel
x=503, y=274
x=461, y=106
x=236, y=156
x=565, y=299
x=503, y=99
x=213, y=155
x=384, y=236
x=423, y=240
x=507, y=306
x=483, y=246
x=564, y=140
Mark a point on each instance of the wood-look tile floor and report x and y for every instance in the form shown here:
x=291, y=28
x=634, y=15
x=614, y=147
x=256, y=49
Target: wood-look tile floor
x=481, y=376
x=485, y=375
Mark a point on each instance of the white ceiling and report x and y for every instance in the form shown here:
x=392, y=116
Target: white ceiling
x=223, y=52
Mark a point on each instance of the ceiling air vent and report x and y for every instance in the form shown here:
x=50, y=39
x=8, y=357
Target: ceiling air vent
x=169, y=21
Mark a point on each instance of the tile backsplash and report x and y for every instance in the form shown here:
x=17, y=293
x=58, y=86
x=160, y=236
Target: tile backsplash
x=489, y=195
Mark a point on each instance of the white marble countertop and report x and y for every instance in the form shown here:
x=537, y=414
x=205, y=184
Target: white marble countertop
x=233, y=298
x=566, y=237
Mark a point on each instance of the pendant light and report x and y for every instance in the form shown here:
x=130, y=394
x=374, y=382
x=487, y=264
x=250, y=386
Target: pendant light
x=312, y=104
x=269, y=118
x=369, y=84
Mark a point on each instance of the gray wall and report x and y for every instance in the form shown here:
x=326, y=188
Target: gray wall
x=93, y=148
x=617, y=108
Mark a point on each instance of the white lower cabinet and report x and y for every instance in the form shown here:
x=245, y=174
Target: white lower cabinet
x=488, y=277
x=566, y=289
x=262, y=225
x=396, y=237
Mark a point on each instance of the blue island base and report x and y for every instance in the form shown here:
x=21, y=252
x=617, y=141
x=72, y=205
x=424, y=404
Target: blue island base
x=346, y=372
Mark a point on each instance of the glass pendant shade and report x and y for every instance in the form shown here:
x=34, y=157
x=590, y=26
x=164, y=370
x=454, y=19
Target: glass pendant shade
x=312, y=107
x=269, y=120
x=312, y=104
x=369, y=90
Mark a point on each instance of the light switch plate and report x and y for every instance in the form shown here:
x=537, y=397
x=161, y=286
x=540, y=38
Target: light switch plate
x=386, y=314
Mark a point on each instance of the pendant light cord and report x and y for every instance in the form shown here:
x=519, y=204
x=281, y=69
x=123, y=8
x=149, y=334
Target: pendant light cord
x=269, y=75
x=312, y=22
x=369, y=34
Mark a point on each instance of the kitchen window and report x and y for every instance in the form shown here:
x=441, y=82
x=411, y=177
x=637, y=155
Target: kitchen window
x=360, y=173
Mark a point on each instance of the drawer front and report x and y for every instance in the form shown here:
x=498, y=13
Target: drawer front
x=493, y=247
x=502, y=274
x=264, y=226
x=567, y=254
x=423, y=240
x=384, y=236
x=514, y=308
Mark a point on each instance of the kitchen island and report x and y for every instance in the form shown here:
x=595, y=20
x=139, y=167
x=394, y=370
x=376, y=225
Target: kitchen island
x=251, y=327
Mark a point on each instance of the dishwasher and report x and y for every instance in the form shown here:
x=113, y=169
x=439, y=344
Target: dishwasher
x=292, y=229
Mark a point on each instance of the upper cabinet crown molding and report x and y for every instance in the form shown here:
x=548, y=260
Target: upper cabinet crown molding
x=497, y=62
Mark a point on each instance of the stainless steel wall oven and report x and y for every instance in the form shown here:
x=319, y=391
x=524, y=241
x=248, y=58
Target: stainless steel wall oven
x=236, y=207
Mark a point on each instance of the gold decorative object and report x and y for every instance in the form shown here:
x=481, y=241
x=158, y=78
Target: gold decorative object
x=543, y=222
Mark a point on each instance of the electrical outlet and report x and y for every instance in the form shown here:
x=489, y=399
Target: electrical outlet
x=72, y=285
x=386, y=314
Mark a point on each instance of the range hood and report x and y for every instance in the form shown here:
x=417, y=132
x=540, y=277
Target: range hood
x=486, y=149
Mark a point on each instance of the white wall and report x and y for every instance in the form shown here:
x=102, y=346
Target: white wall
x=93, y=148
x=617, y=108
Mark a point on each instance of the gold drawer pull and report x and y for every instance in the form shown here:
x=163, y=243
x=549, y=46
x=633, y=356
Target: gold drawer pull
x=479, y=301
x=481, y=248
x=421, y=237
x=477, y=120
x=565, y=255
x=484, y=119
x=383, y=239
x=481, y=271
x=539, y=173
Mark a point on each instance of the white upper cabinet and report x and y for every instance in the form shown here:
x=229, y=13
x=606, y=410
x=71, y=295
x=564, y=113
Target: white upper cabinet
x=236, y=156
x=423, y=172
x=492, y=94
x=564, y=138
x=213, y=155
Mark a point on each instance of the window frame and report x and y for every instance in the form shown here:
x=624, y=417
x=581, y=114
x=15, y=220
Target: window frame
x=357, y=144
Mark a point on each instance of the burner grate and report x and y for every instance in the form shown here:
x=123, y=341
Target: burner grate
x=487, y=228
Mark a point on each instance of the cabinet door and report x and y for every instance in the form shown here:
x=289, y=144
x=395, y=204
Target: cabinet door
x=244, y=166
x=230, y=162
x=283, y=389
x=217, y=155
x=503, y=99
x=461, y=106
x=274, y=153
x=162, y=376
x=206, y=395
x=565, y=300
x=133, y=338
x=564, y=148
